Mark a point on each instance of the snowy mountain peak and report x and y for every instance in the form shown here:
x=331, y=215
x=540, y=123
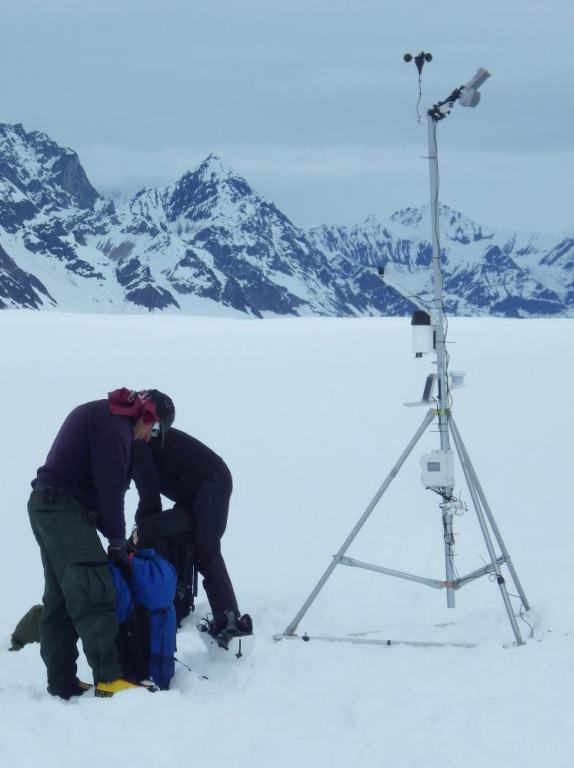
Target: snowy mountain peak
x=409, y=217
x=198, y=193
x=49, y=176
x=215, y=172
x=454, y=225
x=412, y=217
x=213, y=168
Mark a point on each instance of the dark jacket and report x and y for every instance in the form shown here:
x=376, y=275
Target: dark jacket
x=91, y=459
x=177, y=470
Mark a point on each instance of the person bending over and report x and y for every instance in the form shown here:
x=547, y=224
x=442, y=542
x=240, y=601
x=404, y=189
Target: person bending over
x=78, y=491
x=189, y=473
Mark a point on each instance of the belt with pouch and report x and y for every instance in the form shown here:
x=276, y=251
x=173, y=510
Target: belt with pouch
x=47, y=492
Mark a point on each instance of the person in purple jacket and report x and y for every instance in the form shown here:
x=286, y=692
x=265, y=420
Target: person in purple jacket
x=78, y=491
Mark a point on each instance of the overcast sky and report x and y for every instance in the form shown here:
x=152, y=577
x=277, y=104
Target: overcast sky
x=310, y=100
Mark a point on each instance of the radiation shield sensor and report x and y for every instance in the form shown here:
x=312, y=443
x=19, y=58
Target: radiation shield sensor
x=423, y=333
x=469, y=93
x=423, y=327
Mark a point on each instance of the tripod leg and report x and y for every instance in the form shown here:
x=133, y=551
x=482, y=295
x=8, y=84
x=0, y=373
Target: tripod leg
x=290, y=629
x=492, y=521
x=485, y=532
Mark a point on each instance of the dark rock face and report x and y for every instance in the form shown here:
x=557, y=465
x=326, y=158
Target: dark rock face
x=19, y=288
x=151, y=297
x=13, y=213
x=48, y=175
x=192, y=276
x=71, y=177
x=210, y=236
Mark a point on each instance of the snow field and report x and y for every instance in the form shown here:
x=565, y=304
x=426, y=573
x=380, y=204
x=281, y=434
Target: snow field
x=308, y=414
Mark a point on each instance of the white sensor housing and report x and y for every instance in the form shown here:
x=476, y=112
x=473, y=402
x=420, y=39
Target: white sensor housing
x=438, y=469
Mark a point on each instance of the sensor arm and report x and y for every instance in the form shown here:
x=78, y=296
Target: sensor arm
x=468, y=94
x=408, y=295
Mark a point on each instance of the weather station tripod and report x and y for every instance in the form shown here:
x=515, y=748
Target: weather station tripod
x=429, y=336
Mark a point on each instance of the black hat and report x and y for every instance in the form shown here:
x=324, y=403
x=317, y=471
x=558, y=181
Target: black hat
x=165, y=409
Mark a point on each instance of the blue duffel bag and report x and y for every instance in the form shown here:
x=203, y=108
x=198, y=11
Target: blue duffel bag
x=146, y=616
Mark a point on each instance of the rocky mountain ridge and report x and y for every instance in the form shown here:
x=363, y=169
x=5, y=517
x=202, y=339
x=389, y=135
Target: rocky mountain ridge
x=210, y=244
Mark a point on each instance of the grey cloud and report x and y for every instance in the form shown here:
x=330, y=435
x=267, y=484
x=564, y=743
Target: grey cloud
x=161, y=84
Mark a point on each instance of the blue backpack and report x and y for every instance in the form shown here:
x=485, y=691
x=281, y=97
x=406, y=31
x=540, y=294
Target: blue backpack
x=146, y=615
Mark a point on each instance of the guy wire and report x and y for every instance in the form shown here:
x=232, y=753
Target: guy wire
x=419, y=116
x=521, y=614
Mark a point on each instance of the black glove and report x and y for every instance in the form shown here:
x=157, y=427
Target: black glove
x=118, y=555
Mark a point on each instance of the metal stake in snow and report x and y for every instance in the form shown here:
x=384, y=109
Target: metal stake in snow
x=437, y=466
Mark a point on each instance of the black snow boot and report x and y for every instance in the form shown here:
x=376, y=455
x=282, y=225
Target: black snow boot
x=229, y=625
x=68, y=691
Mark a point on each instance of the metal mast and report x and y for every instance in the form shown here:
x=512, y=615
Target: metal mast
x=438, y=464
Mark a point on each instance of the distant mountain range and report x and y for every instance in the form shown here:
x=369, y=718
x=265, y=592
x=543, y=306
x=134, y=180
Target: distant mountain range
x=210, y=244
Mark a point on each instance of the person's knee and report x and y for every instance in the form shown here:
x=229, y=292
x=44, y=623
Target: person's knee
x=88, y=588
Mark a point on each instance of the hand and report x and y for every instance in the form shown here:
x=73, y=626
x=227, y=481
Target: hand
x=134, y=539
x=118, y=555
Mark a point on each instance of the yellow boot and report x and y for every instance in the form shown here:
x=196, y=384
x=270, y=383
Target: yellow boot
x=105, y=690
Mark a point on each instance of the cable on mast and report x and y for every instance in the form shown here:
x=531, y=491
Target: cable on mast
x=420, y=60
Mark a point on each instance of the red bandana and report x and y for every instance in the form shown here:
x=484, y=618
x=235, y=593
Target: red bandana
x=129, y=402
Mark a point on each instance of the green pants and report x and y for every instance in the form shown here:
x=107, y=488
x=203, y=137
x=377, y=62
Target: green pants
x=79, y=596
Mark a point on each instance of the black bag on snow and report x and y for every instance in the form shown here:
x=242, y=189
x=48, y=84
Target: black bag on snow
x=170, y=533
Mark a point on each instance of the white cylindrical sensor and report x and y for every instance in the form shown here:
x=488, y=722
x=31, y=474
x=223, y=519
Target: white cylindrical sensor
x=422, y=333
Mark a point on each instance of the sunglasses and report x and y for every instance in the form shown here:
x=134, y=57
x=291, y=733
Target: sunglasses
x=155, y=430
